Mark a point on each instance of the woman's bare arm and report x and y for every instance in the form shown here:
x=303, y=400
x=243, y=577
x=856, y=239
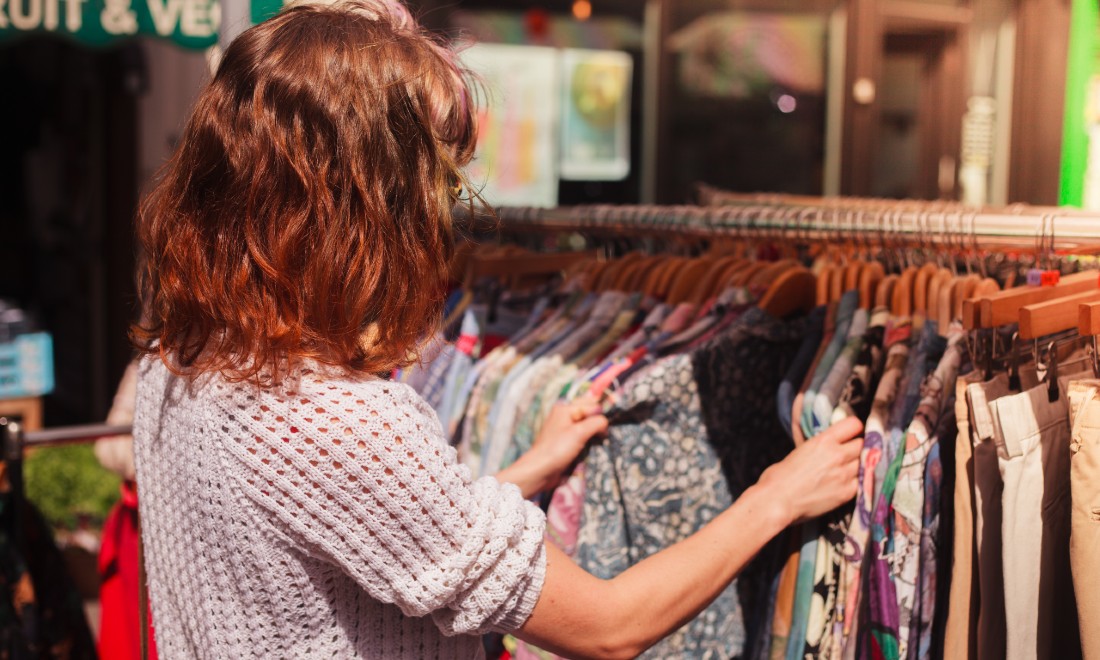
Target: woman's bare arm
x=579, y=615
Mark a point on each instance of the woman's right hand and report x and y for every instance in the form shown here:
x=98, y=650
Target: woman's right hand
x=820, y=475
x=580, y=615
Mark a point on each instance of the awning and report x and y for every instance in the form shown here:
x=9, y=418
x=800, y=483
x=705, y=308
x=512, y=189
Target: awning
x=190, y=24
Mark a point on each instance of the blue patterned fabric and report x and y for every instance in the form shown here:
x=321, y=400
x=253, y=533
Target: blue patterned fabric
x=687, y=437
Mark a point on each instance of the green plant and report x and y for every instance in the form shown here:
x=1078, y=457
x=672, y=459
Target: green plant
x=68, y=482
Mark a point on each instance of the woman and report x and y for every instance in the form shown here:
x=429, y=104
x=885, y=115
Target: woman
x=293, y=503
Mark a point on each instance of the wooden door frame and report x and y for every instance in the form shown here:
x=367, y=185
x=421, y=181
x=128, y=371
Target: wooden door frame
x=869, y=23
x=1038, y=100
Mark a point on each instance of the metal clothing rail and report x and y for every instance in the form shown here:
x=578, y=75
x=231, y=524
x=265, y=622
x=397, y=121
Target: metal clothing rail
x=875, y=221
x=15, y=439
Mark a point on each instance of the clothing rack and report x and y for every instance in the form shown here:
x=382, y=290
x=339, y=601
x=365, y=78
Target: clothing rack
x=887, y=222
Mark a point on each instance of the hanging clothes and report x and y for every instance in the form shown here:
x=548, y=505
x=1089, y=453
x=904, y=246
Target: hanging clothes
x=699, y=413
x=927, y=562
x=120, y=618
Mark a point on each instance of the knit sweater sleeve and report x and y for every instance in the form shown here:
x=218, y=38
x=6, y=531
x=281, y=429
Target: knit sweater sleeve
x=359, y=476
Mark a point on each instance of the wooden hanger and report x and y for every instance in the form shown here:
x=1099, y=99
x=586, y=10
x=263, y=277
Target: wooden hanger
x=902, y=301
x=730, y=273
x=764, y=278
x=822, y=284
x=665, y=277
x=884, y=294
x=920, y=288
x=962, y=289
x=675, y=270
x=869, y=281
x=593, y=274
x=687, y=280
x=836, y=282
x=939, y=299
x=514, y=265
x=712, y=281
x=635, y=275
x=608, y=275
x=1055, y=315
x=852, y=274
x=1003, y=307
x=652, y=278
x=743, y=275
x=1088, y=319
x=793, y=290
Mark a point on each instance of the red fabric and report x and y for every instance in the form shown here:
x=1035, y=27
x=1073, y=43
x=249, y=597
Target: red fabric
x=490, y=342
x=119, y=626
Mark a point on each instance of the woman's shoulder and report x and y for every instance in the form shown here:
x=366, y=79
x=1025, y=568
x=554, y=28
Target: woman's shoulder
x=306, y=390
x=346, y=398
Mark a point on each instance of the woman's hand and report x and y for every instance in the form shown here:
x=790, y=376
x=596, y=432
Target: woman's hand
x=563, y=435
x=820, y=475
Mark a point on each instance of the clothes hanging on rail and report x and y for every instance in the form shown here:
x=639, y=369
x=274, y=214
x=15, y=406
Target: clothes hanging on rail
x=1026, y=602
x=927, y=562
x=686, y=439
x=120, y=623
x=1084, y=549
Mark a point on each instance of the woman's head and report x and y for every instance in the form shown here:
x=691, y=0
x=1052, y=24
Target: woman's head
x=306, y=212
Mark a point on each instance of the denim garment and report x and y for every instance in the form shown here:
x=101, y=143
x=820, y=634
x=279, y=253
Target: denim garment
x=846, y=310
x=803, y=360
x=828, y=394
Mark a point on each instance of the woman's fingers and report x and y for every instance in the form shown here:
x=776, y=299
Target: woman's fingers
x=847, y=429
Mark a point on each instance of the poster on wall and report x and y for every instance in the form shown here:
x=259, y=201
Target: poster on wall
x=516, y=161
x=595, y=124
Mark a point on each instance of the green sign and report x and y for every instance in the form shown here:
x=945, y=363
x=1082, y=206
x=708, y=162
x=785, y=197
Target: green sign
x=189, y=23
x=265, y=9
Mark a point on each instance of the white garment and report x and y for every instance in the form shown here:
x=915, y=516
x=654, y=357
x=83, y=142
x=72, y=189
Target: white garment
x=116, y=453
x=325, y=517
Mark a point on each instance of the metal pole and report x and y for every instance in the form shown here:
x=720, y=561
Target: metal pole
x=79, y=433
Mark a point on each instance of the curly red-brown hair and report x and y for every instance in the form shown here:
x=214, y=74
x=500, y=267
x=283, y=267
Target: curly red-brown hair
x=307, y=210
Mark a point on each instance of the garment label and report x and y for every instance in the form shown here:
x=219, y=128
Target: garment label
x=466, y=343
x=1037, y=277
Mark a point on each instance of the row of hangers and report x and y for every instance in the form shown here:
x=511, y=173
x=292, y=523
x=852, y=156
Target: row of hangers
x=891, y=276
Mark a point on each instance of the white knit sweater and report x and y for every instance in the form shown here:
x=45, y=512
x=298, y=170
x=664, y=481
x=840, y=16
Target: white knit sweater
x=327, y=518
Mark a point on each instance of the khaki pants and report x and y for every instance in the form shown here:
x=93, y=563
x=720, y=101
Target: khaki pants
x=1084, y=543
x=961, y=629
x=1033, y=434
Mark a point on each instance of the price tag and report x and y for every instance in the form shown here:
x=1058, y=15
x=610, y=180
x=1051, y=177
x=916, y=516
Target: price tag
x=1034, y=277
x=1051, y=277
